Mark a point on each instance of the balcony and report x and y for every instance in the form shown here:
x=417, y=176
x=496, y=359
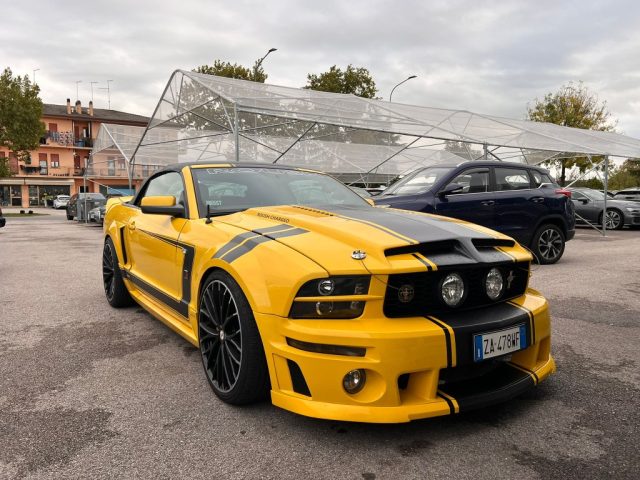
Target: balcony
x=66, y=139
x=35, y=171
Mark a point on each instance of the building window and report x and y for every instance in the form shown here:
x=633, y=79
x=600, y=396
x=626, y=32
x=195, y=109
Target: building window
x=55, y=160
x=43, y=167
x=53, y=127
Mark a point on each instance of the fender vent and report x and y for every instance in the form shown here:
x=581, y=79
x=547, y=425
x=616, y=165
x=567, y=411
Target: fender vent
x=297, y=379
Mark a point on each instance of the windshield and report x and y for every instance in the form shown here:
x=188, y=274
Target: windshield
x=233, y=189
x=418, y=182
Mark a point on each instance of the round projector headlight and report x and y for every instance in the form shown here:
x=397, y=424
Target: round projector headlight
x=452, y=289
x=325, y=287
x=494, y=284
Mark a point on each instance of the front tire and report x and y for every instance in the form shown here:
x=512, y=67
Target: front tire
x=548, y=244
x=230, y=344
x=114, y=288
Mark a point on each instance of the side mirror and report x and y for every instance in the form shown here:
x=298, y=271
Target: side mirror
x=451, y=188
x=583, y=201
x=162, y=205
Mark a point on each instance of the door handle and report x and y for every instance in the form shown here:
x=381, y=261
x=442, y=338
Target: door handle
x=488, y=203
x=132, y=226
x=537, y=199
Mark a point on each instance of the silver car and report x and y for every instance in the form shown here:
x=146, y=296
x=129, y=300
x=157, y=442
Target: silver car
x=589, y=206
x=60, y=201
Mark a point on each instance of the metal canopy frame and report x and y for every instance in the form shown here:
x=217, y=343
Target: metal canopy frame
x=208, y=118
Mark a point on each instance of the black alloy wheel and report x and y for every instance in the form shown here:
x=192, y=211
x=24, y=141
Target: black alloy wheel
x=114, y=287
x=230, y=344
x=614, y=220
x=548, y=244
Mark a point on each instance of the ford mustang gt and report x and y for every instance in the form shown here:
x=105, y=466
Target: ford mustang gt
x=293, y=286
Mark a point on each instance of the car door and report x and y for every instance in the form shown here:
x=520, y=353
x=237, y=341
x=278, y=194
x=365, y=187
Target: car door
x=155, y=258
x=518, y=206
x=474, y=203
x=587, y=208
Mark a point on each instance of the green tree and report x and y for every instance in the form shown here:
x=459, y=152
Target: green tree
x=625, y=176
x=20, y=113
x=234, y=70
x=573, y=106
x=354, y=80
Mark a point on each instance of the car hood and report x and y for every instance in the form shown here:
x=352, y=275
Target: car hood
x=390, y=238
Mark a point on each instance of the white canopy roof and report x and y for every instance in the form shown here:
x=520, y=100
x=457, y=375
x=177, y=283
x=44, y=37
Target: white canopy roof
x=205, y=117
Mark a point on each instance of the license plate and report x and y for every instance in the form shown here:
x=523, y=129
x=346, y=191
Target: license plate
x=501, y=342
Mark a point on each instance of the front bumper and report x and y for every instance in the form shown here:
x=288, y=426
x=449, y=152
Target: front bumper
x=416, y=367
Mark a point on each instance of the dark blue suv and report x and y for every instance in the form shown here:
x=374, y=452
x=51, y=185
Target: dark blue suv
x=518, y=200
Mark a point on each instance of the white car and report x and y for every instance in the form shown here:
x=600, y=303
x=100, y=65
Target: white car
x=60, y=201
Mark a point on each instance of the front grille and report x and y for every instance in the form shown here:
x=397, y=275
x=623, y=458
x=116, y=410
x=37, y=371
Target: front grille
x=427, y=299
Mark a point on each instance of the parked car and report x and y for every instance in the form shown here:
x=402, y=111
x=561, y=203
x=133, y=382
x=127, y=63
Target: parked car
x=589, y=205
x=632, y=194
x=3, y=221
x=519, y=200
x=328, y=306
x=97, y=214
x=93, y=200
x=61, y=201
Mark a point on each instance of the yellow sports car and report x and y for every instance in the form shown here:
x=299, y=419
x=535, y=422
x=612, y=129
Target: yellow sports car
x=291, y=284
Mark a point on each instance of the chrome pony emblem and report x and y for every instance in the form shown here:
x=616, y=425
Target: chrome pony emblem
x=359, y=255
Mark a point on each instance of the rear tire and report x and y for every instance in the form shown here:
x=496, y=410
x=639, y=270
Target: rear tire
x=548, y=244
x=614, y=220
x=114, y=288
x=230, y=345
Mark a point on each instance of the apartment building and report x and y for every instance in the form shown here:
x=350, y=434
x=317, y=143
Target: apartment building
x=58, y=165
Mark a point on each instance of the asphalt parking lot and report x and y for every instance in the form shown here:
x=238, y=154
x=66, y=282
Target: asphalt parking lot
x=87, y=391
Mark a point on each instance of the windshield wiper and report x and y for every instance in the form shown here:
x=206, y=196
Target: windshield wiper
x=219, y=213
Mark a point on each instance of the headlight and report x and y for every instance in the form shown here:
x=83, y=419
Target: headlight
x=332, y=306
x=494, y=284
x=452, y=289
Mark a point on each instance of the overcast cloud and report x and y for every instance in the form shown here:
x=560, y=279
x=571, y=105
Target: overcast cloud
x=489, y=57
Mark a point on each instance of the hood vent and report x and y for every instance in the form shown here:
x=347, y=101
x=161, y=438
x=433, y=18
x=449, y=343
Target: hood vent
x=426, y=249
x=313, y=210
x=492, y=242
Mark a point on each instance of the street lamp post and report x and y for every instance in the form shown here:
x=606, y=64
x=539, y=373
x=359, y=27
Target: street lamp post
x=259, y=62
x=405, y=80
x=34, y=75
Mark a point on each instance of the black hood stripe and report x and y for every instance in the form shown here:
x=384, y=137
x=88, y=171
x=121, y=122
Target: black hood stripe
x=409, y=226
x=245, y=242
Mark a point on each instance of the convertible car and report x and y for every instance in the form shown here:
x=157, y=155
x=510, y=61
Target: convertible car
x=292, y=285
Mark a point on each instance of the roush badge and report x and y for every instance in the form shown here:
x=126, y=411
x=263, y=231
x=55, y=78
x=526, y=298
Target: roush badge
x=406, y=293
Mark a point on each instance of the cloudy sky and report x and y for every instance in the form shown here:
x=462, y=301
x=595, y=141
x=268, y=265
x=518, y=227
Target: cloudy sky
x=489, y=57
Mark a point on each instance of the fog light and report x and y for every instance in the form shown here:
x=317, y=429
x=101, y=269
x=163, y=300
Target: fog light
x=494, y=284
x=324, y=308
x=452, y=289
x=354, y=381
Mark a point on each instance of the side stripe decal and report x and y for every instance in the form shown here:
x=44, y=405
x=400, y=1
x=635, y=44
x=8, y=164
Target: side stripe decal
x=180, y=307
x=189, y=251
x=245, y=242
